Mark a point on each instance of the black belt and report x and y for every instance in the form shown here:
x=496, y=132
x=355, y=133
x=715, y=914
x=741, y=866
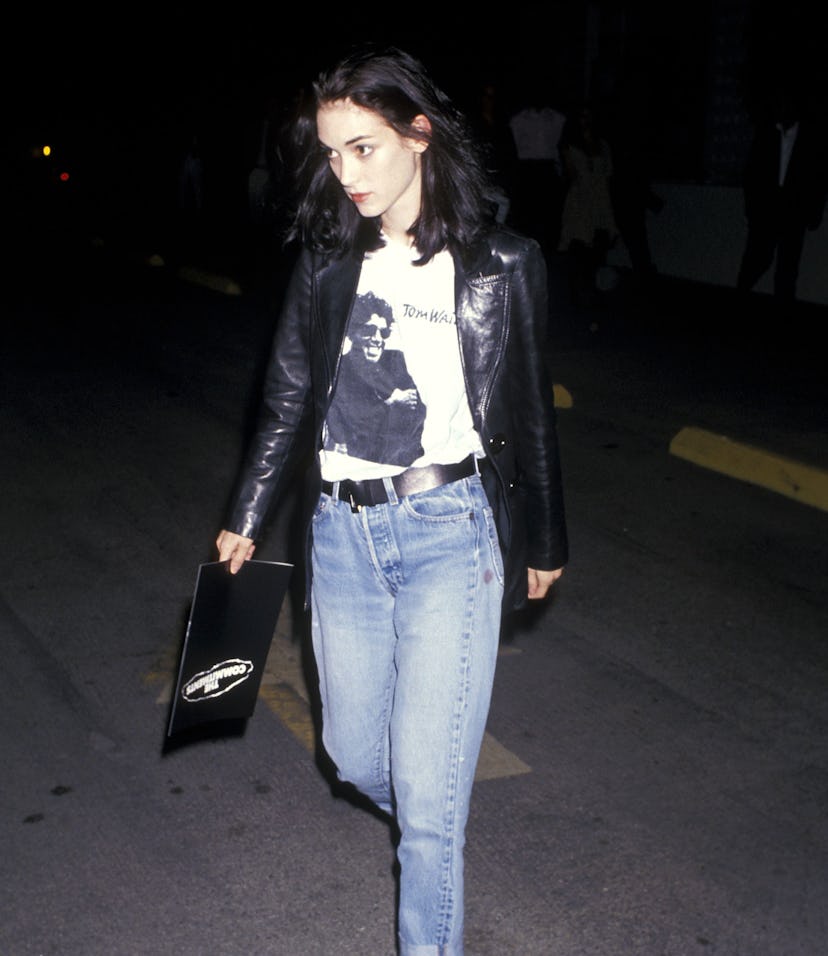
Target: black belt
x=371, y=491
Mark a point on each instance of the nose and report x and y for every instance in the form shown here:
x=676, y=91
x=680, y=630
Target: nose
x=345, y=170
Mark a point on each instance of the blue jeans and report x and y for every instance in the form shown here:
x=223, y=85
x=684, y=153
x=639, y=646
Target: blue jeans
x=406, y=603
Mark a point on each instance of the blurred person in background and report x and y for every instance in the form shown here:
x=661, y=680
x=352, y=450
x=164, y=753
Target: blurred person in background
x=588, y=226
x=536, y=128
x=785, y=186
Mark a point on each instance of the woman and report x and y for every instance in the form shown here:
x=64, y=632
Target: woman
x=409, y=563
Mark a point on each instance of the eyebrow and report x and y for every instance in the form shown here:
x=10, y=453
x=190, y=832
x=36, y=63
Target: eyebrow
x=349, y=142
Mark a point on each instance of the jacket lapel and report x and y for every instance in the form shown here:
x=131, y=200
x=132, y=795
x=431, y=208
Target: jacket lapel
x=480, y=301
x=336, y=284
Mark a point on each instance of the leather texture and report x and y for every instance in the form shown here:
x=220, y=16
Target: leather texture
x=502, y=314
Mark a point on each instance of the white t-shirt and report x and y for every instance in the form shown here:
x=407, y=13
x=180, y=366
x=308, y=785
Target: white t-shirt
x=400, y=398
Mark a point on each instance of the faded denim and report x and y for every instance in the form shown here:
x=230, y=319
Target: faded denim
x=406, y=604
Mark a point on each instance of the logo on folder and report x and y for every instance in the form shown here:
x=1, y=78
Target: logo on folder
x=231, y=625
x=218, y=680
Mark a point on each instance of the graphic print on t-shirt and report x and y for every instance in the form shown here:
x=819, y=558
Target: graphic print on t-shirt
x=377, y=413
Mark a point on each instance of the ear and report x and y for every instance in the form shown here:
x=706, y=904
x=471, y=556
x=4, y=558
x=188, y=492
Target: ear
x=422, y=124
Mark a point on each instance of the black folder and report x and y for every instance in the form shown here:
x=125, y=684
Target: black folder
x=231, y=625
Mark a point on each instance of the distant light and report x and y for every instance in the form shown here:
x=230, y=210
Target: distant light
x=47, y=150
x=64, y=177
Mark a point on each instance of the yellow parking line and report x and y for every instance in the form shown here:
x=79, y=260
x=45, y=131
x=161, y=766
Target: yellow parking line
x=284, y=692
x=209, y=280
x=292, y=710
x=495, y=760
x=804, y=483
x=563, y=398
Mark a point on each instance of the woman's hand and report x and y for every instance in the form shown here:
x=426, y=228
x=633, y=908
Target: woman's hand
x=541, y=581
x=235, y=547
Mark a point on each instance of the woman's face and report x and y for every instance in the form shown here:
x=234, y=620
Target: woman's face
x=379, y=170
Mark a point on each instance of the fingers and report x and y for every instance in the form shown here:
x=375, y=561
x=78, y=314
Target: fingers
x=541, y=581
x=234, y=548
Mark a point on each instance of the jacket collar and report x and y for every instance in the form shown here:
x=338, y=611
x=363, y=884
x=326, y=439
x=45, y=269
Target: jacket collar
x=471, y=260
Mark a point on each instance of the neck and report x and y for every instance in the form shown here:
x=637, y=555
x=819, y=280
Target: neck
x=398, y=219
x=397, y=235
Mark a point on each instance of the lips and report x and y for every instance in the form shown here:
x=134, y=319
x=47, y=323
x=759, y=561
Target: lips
x=358, y=197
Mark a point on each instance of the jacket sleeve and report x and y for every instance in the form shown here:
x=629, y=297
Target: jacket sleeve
x=281, y=430
x=534, y=417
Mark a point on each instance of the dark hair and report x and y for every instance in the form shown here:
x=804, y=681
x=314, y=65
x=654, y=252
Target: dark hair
x=572, y=133
x=454, y=208
x=367, y=305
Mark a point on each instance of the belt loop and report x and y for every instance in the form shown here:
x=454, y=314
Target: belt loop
x=343, y=490
x=335, y=490
x=476, y=461
x=391, y=491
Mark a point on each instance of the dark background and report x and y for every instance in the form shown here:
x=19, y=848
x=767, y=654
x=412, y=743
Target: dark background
x=161, y=65
x=120, y=93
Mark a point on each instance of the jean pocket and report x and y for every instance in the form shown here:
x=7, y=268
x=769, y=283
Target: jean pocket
x=450, y=502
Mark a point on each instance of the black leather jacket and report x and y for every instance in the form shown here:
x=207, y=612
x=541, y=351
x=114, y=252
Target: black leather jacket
x=502, y=315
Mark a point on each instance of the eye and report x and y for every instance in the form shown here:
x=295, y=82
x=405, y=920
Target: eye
x=364, y=150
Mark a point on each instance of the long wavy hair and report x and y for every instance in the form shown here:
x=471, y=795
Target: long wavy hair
x=454, y=209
